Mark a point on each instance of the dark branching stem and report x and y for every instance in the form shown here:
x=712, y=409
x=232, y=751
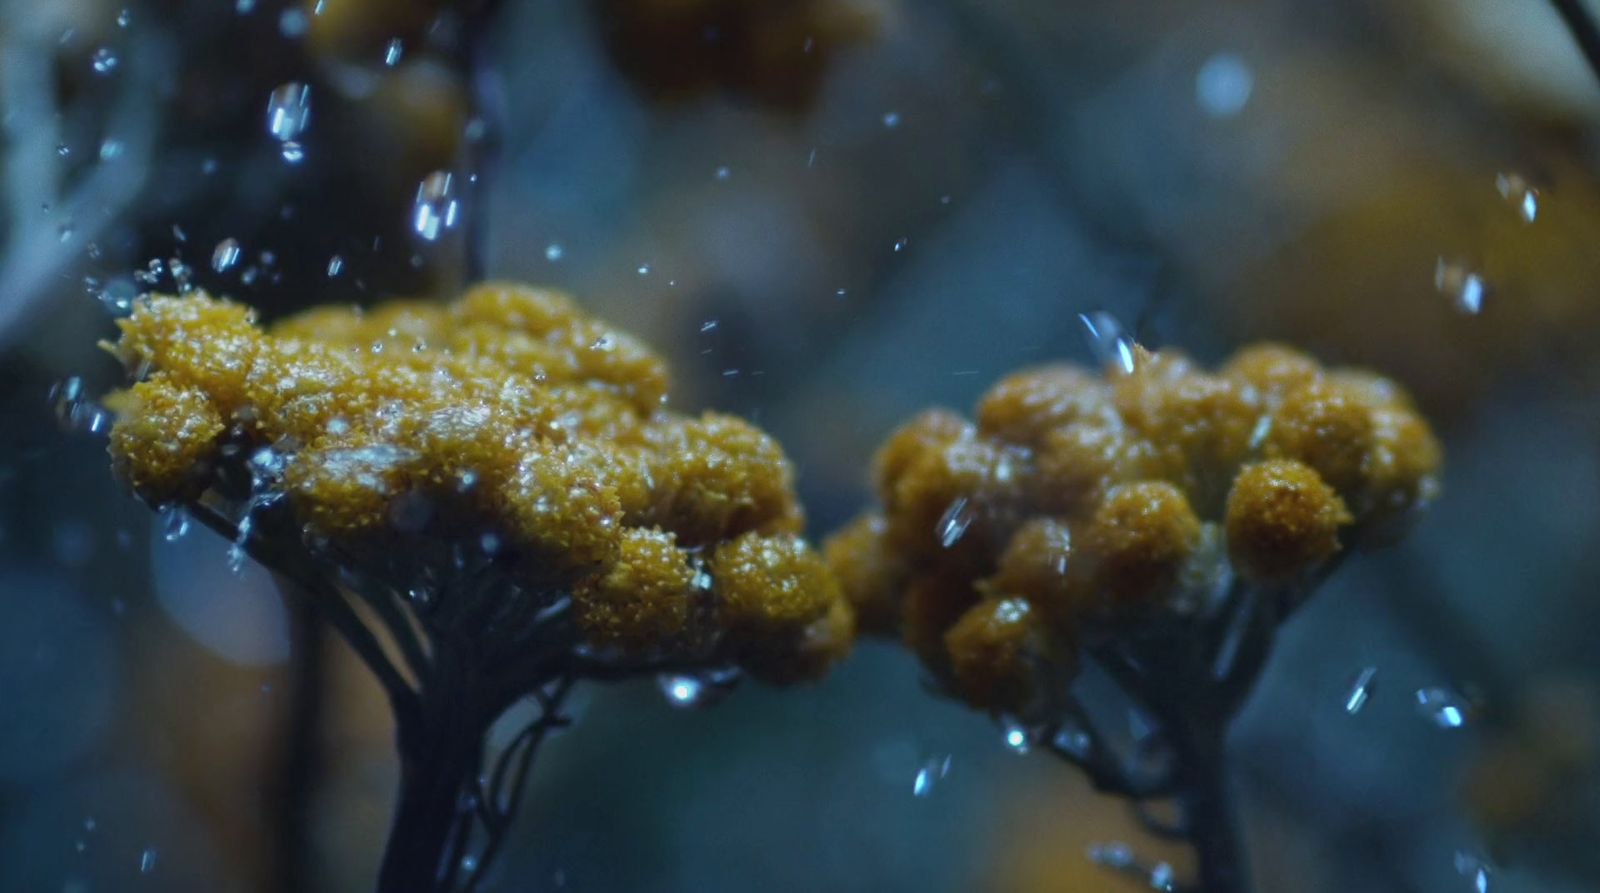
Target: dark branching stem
x=1585, y=31
x=1191, y=683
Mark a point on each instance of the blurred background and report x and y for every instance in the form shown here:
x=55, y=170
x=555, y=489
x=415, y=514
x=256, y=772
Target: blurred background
x=828, y=214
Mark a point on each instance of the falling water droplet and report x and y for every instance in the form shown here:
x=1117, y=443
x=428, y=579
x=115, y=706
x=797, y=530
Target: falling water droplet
x=1072, y=739
x=953, y=523
x=709, y=325
x=724, y=173
x=891, y=120
x=1474, y=869
x=293, y=152
x=436, y=209
x=123, y=18
x=554, y=252
x=147, y=860
x=288, y=111
x=703, y=689
x=392, y=52
x=1464, y=288
x=644, y=270
x=1361, y=690
x=1516, y=189
x=293, y=23
x=1109, y=346
x=174, y=523
x=236, y=557
x=74, y=410
x=1223, y=85
x=1018, y=739
x=225, y=255
x=104, y=60
x=117, y=297
x=63, y=150
x=900, y=244
x=335, y=266
x=110, y=150
x=932, y=771
x=1442, y=707
x=1115, y=854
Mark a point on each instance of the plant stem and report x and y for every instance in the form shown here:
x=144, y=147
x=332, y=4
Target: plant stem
x=1208, y=811
x=299, y=762
x=440, y=758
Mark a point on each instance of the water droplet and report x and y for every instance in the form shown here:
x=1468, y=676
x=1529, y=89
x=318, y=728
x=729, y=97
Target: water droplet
x=1474, y=869
x=392, y=52
x=689, y=690
x=225, y=255
x=1442, y=707
x=469, y=862
x=147, y=860
x=891, y=119
x=724, y=173
x=1109, y=346
x=1456, y=281
x=89, y=823
x=644, y=270
x=174, y=523
x=1515, y=189
x=1072, y=739
x=63, y=150
x=953, y=523
x=1018, y=739
x=288, y=110
x=117, y=297
x=123, y=18
x=75, y=411
x=900, y=244
x=1115, y=854
x=932, y=771
x=243, y=7
x=436, y=209
x=65, y=231
x=335, y=266
x=236, y=554
x=104, y=60
x=709, y=325
x=110, y=150
x=293, y=23
x=293, y=152
x=1361, y=689
x=1223, y=85
x=554, y=252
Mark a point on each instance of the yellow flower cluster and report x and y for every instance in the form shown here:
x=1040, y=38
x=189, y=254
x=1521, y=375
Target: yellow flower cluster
x=1076, y=500
x=509, y=413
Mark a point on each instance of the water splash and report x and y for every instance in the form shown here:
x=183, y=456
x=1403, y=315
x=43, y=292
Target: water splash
x=1361, y=690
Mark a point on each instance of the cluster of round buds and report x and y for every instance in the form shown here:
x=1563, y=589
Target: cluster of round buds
x=508, y=422
x=1078, y=504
